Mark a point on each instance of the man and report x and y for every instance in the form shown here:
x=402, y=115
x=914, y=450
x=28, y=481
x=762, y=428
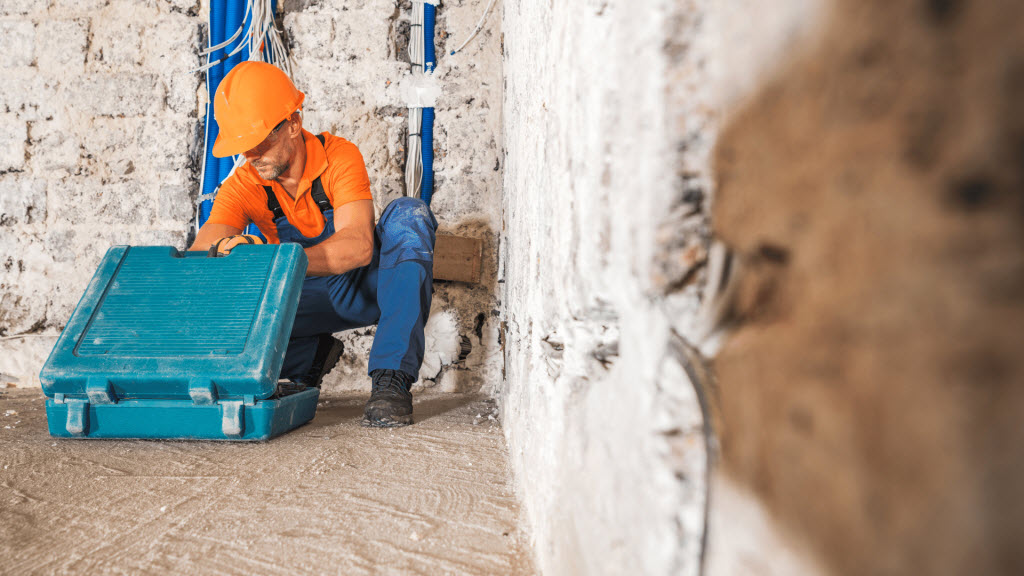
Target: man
x=314, y=190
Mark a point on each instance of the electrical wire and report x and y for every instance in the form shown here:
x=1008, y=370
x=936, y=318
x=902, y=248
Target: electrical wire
x=414, y=155
x=476, y=30
x=267, y=38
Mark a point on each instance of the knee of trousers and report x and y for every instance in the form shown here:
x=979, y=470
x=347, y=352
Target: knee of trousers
x=407, y=232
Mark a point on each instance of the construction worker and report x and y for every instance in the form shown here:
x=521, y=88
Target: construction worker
x=314, y=190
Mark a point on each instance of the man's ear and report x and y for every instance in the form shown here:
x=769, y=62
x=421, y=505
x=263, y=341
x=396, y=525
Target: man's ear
x=295, y=126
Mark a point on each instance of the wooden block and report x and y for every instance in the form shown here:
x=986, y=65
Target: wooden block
x=458, y=259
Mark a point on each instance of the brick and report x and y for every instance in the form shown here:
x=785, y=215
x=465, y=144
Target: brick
x=78, y=7
x=171, y=44
x=95, y=202
x=164, y=141
x=17, y=43
x=23, y=269
x=316, y=31
x=21, y=7
x=62, y=245
x=181, y=93
x=175, y=204
x=29, y=95
x=175, y=238
x=118, y=94
x=53, y=148
x=63, y=45
x=107, y=141
x=22, y=199
x=115, y=45
x=13, y=137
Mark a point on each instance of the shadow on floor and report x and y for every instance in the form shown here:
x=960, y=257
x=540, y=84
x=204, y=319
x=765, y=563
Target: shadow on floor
x=338, y=409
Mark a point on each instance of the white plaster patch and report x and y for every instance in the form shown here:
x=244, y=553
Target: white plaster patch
x=21, y=358
x=442, y=343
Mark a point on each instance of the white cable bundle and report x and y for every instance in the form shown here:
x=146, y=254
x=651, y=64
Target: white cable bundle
x=261, y=32
x=414, y=156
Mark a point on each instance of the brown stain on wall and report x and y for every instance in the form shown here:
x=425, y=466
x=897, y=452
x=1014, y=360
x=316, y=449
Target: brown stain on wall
x=873, y=399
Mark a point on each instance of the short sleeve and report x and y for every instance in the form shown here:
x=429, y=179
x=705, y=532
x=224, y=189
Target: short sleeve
x=349, y=179
x=229, y=206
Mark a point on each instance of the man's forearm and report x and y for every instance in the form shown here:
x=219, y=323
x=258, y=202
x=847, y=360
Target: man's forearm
x=210, y=233
x=338, y=254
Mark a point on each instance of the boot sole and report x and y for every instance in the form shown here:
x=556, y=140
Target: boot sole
x=396, y=422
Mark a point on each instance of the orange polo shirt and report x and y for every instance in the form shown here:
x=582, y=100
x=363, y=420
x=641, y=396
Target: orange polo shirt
x=339, y=165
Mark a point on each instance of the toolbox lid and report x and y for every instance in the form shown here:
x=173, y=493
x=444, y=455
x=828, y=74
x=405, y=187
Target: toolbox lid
x=156, y=322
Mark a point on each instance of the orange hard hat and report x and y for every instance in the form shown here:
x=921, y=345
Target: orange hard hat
x=250, y=101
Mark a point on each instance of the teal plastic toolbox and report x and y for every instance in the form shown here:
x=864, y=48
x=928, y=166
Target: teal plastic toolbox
x=170, y=344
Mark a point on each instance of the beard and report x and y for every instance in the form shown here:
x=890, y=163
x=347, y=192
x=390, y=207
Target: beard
x=270, y=171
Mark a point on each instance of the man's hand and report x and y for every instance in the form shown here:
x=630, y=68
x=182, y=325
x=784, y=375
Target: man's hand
x=224, y=246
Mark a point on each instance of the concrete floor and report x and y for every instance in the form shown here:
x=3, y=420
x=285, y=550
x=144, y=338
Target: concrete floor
x=331, y=497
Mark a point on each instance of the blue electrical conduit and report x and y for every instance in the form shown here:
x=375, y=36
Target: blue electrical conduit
x=226, y=20
x=211, y=164
x=427, y=122
x=233, y=11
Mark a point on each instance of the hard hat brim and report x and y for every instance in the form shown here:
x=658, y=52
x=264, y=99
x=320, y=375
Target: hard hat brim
x=224, y=147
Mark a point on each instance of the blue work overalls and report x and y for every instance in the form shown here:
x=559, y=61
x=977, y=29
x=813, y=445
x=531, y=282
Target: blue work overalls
x=393, y=291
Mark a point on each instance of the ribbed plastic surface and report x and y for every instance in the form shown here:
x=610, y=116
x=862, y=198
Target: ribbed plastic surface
x=166, y=344
x=178, y=306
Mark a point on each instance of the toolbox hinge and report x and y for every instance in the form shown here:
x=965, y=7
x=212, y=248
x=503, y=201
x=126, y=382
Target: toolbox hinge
x=202, y=391
x=100, y=391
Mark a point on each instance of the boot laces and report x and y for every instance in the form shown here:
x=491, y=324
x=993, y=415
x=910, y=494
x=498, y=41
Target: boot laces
x=389, y=382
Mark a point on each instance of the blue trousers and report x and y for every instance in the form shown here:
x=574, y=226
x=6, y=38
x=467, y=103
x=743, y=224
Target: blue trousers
x=393, y=292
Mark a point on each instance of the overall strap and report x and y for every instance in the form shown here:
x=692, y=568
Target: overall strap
x=272, y=204
x=317, y=192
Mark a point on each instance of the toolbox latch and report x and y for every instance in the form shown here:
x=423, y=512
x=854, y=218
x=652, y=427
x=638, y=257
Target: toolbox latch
x=78, y=416
x=232, y=418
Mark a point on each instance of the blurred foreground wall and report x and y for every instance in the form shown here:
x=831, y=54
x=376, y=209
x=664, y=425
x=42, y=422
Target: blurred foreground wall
x=864, y=162
x=872, y=397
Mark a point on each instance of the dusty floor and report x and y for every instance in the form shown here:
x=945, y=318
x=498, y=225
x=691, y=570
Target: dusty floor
x=330, y=497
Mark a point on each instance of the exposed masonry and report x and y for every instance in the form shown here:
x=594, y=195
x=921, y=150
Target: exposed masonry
x=350, y=59
x=99, y=147
x=102, y=145
x=606, y=233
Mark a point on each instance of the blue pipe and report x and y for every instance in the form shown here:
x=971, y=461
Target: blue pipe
x=427, y=145
x=242, y=57
x=427, y=123
x=429, y=11
x=211, y=166
x=234, y=11
x=229, y=23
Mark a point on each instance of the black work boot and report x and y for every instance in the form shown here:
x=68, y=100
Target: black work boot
x=328, y=351
x=390, y=403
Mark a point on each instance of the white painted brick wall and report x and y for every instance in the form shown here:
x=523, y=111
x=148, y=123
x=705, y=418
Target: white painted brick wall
x=100, y=122
x=350, y=59
x=98, y=116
